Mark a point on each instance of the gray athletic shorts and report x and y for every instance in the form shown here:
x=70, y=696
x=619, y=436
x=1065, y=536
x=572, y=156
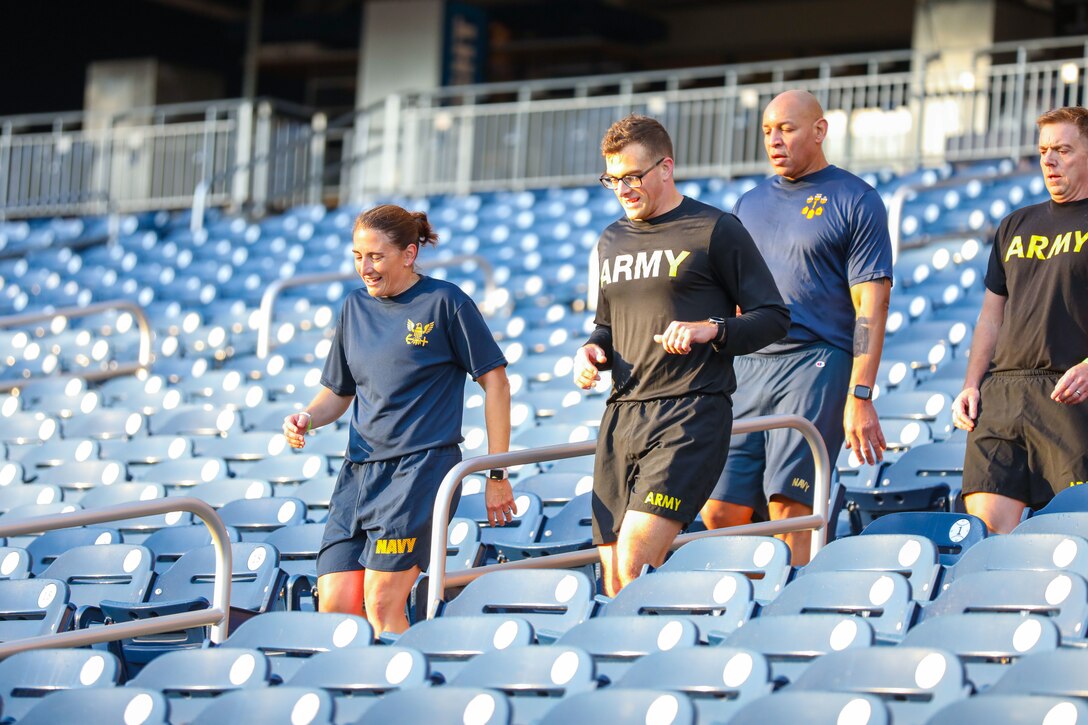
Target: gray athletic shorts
x=811, y=382
x=380, y=512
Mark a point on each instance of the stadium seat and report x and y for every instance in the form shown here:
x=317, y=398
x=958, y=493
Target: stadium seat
x=290, y=638
x=274, y=706
x=121, y=493
x=464, y=549
x=534, y=678
x=883, y=598
x=524, y=529
x=287, y=468
x=1069, y=523
x=986, y=642
x=169, y=543
x=118, y=572
x=298, y=546
x=147, y=450
x=1012, y=710
x=256, y=583
x=1068, y=500
x=552, y=600
x=252, y=446
x=24, y=494
x=571, y=529
x=14, y=562
x=107, y=424
x=719, y=680
x=357, y=678
x=814, y=708
x=450, y=642
x=622, y=705
x=183, y=472
x=1058, y=595
x=442, y=706
x=765, y=560
x=129, y=705
x=33, y=607
x=914, y=682
x=1058, y=673
x=615, y=643
x=57, y=451
x=76, y=478
x=915, y=557
x=920, y=480
x=791, y=642
x=46, y=547
x=717, y=600
x=28, y=677
x=555, y=489
x=317, y=493
x=256, y=518
x=953, y=533
x=221, y=491
x=197, y=420
x=1040, y=552
x=192, y=679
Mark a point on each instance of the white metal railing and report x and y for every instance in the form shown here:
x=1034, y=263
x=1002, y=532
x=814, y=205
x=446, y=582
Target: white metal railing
x=215, y=616
x=436, y=571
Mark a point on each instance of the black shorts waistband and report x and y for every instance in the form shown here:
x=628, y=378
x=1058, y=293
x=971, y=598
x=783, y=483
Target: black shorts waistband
x=1026, y=374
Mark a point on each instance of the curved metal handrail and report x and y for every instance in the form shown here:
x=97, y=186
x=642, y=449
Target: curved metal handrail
x=272, y=293
x=143, y=358
x=216, y=616
x=439, y=581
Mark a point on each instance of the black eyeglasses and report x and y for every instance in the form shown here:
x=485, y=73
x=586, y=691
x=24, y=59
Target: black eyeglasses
x=632, y=181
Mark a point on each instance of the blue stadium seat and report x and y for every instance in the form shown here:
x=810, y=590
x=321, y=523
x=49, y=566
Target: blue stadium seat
x=1061, y=596
x=197, y=420
x=615, y=643
x=556, y=489
x=192, y=679
x=147, y=450
x=883, y=598
x=571, y=529
x=109, y=705
x=533, y=678
x=524, y=529
x=169, y=543
x=252, y=446
x=1058, y=673
x=464, y=549
x=814, y=708
x=183, y=472
x=14, y=562
x=33, y=607
x=24, y=494
x=358, y=678
x=1013, y=710
x=57, y=451
x=791, y=642
x=922, y=479
x=286, y=468
x=46, y=547
x=274, y=706
x=450, y=642
x=1069, y=523
x=765, y=560
x=76, y=478
x=119, y=572
x=107, y=424
x=914, y=682
x=121, y=493
x=298, y=546
x=28, y=677
x=915, y=557
x=317, y=493
x=552, y=600
x=986, y=642
x=1068, y=500
x=290, y=638
x=719, y=680
x=718, y=600
x=1040, y=552
x=221, y=491
x=953, y=533
x=622, y=705
x=256, y=518
x=442, y=706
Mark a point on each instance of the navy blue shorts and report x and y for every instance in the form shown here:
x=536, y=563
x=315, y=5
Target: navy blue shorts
x=811, y=382
x=657, y=456
x=380, y=512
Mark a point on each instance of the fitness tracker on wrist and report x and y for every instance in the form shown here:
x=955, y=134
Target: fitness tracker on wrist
x=496, y=474
x=720, y=322
x=862, y=392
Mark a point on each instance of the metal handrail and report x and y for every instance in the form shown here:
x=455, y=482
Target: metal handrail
x=439, y=581
x=268, y=299
x=143, y=358
x=215, y=617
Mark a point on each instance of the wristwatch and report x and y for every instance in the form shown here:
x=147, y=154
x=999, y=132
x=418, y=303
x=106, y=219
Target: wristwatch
x=862, y=392
x=496, y=474
x=720, y=322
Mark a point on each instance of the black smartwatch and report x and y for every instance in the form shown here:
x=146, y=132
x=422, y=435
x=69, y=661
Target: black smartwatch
x=720, y=322
x=862, y=392
x=496, y=474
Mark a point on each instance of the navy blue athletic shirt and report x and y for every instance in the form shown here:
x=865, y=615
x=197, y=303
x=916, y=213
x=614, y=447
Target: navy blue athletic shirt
x=820, y=235
x=404, y=358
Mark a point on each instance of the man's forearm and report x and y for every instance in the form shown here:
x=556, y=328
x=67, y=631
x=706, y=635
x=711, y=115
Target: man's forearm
x=871, y=309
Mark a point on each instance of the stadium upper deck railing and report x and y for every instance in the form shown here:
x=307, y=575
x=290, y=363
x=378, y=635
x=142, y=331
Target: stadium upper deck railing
x=888, y=110
x=440, y=580
x=214, y=617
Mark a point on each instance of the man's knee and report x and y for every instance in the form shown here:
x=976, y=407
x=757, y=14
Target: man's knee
x=341, y=592
x=780, y=507
x=1000, y=513
x=721, y=514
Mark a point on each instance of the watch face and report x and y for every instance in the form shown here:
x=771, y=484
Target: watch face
x=864, y=392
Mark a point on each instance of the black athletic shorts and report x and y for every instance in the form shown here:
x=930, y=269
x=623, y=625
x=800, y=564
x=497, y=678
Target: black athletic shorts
x=1025, y=445
x=658, y=456
x=380, y=512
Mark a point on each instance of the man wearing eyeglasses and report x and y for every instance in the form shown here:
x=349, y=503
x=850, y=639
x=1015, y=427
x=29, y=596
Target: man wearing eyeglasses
x=824, y=234
x=672, y=273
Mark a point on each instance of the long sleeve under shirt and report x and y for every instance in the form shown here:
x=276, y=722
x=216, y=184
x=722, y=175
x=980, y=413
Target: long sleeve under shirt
x=689, y=264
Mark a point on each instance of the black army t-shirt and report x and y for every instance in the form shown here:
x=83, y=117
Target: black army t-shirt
x=688, y=264
x=404, y=358
x=1039, y=261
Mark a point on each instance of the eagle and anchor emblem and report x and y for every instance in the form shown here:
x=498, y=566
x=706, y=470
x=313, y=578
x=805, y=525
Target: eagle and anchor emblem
x=417, y=333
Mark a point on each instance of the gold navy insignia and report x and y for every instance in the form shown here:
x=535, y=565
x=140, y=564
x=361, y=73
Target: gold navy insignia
x=417, y=333
x=814, y=206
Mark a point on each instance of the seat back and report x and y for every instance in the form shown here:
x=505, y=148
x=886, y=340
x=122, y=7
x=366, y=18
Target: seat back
x=765, y=560
x=1058, y=673
x=722, y=598
x=1042, y=552
x=915, y=557
x=120, y=572
x=1072, y=499
x=272, y=706
x=552, y=600
x=450, y=642
x=256, y=518
x=14, y=562
x=1066, y=522
x=168, y=544
x=953, y=533
x=33, y=607
x=289, y=638
x=442, y=706
x=615, y=643
x=883, y=598
x=814, y=707
x=27, y=677
x=298, y=546
x=28, y=493
x=464, y=549
x=255, y=579
x=48, y=546
x=622, y=705
x=524, y=529
x=1012, y=708
x=116, y=704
